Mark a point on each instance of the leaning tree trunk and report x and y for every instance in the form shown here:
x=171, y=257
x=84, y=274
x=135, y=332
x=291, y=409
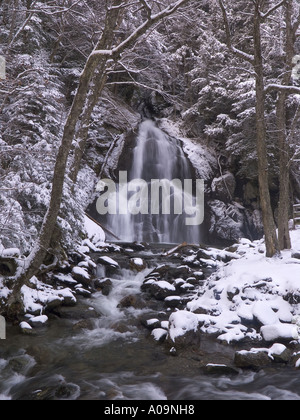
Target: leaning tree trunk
x=272, y=247
x=99, y=56
x=40, y=250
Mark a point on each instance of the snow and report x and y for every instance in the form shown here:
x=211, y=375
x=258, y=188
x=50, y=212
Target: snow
x=95, y=233
x=108, y=261
x=79, y=271
x=10, y=253
x=36, y=299
x=274, y=332
x=165, y=285
x=250, y=289
x=181, y=322
x=138, y=262
x=25, y=326
x=159, y=333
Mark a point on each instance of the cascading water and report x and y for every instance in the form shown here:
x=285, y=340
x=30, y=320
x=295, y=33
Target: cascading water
x=157, y=157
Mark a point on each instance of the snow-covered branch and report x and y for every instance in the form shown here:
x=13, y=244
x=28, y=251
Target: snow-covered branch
x=141, y=30
x=264, y=16
x=281, y=88
x=241, y=54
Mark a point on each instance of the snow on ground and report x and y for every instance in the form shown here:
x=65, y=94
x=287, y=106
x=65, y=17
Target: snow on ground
x=250, y=290
x=95, y=233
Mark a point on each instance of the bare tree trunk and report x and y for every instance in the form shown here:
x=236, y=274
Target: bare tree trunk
x=96, y=59
x=271, y=240
x=97, y=85
x=284, y=194
x=256, y=60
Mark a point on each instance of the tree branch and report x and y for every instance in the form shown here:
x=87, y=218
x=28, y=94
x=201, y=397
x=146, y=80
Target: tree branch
x=281, y=88
x=142, y=29
x=239, y=53
x=273, y=9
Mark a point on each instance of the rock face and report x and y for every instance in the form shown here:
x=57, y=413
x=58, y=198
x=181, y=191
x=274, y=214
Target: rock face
x=8, y=266
x=223, y=188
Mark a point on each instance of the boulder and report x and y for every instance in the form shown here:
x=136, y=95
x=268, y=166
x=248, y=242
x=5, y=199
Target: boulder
x=280, y=353
x=184, y=329
x=137, y=264
x=159, y=289
x=220, y=370
x=38, y=321
x=104, y=285
x=252, y=359
x=81, y=275
x=131, y=301
x=280, y=332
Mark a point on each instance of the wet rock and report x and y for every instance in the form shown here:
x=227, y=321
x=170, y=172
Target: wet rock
x=107, y=261
x=83, y=292
x=137, y=264
x=159, y=334
x=150, y=324
x=38, y=321
x=26, y=329
x=86, y=324
x=54, y=302
x=120, y=327
x=279, y=353
x=173, y=301
x=20, y=364
x=159, y=289
x=81, y=275
x=252, y=359
x=132, y=301
x=78, y=312
x=220, y=370
x=105, y=286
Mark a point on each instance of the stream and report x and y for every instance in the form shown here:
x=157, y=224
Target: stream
x=113, y=357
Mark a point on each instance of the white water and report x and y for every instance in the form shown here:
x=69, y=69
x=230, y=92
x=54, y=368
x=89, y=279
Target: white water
x=157, y=156
x=106, y=364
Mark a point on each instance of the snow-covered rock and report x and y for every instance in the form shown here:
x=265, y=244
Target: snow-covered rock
x=280, y=332
x=250, y=291
x=108, y=262
x=184, y=329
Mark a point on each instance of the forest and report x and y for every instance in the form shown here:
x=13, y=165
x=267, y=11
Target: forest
x=217, y=83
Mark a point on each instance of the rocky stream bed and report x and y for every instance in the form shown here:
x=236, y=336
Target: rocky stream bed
x=125, y=322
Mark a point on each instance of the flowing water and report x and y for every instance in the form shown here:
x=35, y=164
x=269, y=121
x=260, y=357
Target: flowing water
x=111, y=356
x=158, y=159
x=114, y=358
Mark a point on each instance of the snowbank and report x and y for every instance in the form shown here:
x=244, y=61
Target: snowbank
x=95, y=233
x=250, y=297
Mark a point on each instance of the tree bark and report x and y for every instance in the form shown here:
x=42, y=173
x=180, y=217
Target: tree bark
x=96, y=59
x=284, y=193
x=272, y=246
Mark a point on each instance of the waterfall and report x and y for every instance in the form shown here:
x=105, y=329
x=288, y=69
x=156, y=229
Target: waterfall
x=156, y=157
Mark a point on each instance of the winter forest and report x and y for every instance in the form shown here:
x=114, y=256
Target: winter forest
x=115, y=305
